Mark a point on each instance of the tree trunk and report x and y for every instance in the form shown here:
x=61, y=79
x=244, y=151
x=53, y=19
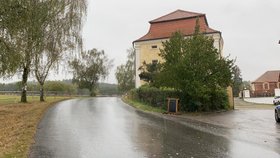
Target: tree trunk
x=92, y=91
x=92, y=94
x=42, y=93
x=24, y=85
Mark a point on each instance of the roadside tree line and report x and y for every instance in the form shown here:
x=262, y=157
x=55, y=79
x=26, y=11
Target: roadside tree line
x=36, y=36
x=64, y=87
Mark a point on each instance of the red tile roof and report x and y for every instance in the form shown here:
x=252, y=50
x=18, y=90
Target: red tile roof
x=178, y=14
x=269, y=76
x=179, y=20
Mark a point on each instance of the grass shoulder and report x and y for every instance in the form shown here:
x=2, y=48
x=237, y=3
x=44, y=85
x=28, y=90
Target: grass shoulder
x=19, y=123
x=142, y=106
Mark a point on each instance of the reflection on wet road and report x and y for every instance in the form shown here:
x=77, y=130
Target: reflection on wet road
x=106, y=127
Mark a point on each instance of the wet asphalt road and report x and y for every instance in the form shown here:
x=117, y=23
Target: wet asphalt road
x=106, y=127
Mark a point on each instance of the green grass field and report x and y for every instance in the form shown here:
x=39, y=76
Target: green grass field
x=8, y=99
x=12, y=99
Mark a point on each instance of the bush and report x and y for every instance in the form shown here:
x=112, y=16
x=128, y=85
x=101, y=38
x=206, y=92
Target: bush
x=60, y=87
x=219, y=100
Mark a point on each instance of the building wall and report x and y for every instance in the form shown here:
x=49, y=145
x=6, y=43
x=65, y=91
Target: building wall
x=145, y=52
x=264, y=88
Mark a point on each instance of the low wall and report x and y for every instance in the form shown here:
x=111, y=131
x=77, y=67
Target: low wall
x=262, y=100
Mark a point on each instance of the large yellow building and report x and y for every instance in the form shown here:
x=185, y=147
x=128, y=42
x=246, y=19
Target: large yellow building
x=148, y=47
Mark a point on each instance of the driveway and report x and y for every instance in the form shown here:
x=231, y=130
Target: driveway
x=106, y=127
x=249, y=122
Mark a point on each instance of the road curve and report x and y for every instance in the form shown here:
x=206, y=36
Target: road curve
x=106, y=127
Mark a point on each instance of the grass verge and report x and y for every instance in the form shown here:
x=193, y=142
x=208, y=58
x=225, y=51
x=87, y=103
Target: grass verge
x=18, y=124
x=142, y=106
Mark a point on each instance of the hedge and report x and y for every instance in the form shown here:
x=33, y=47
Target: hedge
x=156, y=97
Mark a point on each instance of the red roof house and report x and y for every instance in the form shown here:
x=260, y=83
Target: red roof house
x=266, y=83
x=148, y=47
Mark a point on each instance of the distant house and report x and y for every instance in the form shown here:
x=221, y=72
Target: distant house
x=266, y=84
x=161, y=29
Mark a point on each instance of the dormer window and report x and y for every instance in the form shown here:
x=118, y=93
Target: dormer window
x=154, y=46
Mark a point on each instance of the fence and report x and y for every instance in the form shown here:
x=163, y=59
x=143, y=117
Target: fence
x=37, y=93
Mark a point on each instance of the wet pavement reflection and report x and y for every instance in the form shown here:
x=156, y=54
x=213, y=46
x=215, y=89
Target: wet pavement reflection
x=106, y=127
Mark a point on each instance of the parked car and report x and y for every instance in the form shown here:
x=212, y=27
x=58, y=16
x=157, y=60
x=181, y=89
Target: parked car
x=276, y=100
x=277, y=113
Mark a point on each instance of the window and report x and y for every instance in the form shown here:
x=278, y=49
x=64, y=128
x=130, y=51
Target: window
x=154, y=46
x=266, y=86
x=154, y=62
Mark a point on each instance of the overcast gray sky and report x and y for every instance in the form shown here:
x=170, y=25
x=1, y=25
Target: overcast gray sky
x=250, y=28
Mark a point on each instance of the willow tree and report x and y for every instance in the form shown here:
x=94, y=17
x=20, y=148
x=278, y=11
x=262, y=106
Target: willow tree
x=62, y=33
x=10, y=39
x=18, y=38
x=47, y=27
